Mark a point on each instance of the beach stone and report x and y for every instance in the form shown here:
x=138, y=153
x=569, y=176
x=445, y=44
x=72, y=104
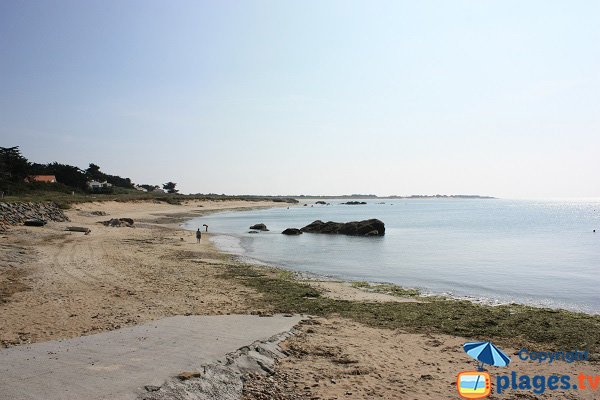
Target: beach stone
x=354, y=228
x=118, y=222
x=259, y=227
x=292, y=231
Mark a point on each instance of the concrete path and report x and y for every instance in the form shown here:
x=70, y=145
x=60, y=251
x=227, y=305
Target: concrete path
x=118, y=364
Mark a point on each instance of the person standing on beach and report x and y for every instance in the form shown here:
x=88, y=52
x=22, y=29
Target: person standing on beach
x=198, y=235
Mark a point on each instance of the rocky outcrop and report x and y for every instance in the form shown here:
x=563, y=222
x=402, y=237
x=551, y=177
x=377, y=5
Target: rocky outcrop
x=370, y=227
x=355, y=203
x=259, y=227
x=19, y=212
x=292, y=231
x=118, y=222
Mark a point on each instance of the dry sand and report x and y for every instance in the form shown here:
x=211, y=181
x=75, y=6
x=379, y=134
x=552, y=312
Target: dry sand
x=56, y=284
x=341, y=359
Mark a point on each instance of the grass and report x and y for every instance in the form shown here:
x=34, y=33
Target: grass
x=516, y=325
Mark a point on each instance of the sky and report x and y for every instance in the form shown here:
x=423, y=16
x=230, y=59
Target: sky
x=496, y=98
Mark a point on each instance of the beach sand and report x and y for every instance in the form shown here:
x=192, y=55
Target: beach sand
x=57, y=285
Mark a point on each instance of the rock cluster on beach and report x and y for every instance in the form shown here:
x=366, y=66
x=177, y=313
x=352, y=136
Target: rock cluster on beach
x=369, y=227
x=118, y=222
x=17, y=213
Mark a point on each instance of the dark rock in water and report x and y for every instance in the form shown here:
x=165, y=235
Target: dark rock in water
x=370, y=227
x=259, y=227
x=292, y=231
x=354, y=203
x=253, y=232
x=34, y=222
x=320, y=202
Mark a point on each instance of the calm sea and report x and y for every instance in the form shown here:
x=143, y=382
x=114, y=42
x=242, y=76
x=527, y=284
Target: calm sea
x=540, y=252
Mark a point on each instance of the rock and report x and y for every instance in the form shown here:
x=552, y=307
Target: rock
x=259, y=227
x=292, y=231
x=185, y=375
x=320, y=202
x=354, y=203
x=98, y=213
x=253, y=232
x=370, y=227
x=127, y=220
x=118, y=222
x=17, y=213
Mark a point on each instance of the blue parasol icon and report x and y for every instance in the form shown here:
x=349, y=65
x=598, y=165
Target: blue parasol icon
x=486, y=353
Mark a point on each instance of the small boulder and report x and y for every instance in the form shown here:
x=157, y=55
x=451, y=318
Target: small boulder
x=259, y=227
x=292, y=231
x=118, y=222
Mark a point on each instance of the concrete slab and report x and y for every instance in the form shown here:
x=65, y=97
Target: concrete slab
x=118, y=364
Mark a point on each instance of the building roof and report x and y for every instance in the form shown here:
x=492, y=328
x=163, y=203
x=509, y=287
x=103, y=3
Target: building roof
x=42, y=178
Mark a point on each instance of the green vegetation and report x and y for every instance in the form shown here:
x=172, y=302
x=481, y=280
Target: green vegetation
x=72, y=185
x=16, y=174
x=386, y=288
x=513, y=324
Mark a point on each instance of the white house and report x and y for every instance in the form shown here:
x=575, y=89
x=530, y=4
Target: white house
x=95, y=185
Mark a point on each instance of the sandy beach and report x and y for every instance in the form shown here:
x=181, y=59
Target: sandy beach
x=59, y=285
x=69, y=284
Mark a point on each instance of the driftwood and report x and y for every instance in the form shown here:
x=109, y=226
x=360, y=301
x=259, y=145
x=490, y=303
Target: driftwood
x=34, y=222
x=78, y=229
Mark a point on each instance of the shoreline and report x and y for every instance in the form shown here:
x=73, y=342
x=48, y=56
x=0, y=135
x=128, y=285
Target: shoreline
x=304, y=275
x=367, y=344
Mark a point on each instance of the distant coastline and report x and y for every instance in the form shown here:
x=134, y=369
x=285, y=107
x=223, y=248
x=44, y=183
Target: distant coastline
x=372, y=196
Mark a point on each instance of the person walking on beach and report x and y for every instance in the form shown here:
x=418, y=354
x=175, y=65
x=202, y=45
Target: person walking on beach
x=198, y=235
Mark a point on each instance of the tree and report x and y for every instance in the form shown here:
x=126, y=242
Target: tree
x=170, y=187
x=68, y=174
x=93, y=172
x=13, y=166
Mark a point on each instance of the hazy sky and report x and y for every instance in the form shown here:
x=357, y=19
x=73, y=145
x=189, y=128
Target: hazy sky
x=316, y=97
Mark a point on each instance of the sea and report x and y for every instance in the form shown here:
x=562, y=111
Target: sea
x=497, y=251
